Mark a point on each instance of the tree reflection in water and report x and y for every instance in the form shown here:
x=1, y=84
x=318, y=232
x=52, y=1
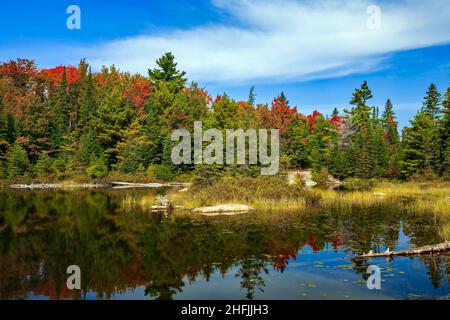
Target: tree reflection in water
x=120, y=247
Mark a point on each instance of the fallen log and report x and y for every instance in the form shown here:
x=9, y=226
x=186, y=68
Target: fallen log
x=223, y=209
x=125, y=185
x=437, y=248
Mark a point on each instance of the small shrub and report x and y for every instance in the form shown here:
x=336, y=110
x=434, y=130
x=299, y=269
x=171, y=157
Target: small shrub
x=98, y=169
x=322, y=176
x=164, y=172
x=17, y=161
x=151, y=171
x=44, y=166
x=312, y=198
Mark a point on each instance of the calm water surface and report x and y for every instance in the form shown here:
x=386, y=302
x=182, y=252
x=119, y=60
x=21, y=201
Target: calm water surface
x=125, y=252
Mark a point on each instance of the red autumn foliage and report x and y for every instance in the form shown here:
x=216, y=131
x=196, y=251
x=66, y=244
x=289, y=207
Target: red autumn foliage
x=281, y=114
x=336, y=121
x=392, y=121
x=311, y=119
x=54, y=76
x=263, y=115
x=312, y=244
x=281, y=261
x=244, y=106
x=202, y=92
x=206, y=94
x=138, y=91
x=20, y=72
x=337, y=242
x=218, y=97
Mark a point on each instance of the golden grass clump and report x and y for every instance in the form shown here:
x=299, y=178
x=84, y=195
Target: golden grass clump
x=266, y=193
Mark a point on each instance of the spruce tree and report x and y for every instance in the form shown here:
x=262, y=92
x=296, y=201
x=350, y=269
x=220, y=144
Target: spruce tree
x=60, y=104
x=283, y=98
x=389, y=123
x=318, y=144
x=432, y=101
x=419, y=145
x=445, y=135
x=17, y=161
x=113, y=115
x=252, y=96
x=131, y=150
x=160, y=100
x=391, y=140
x=3, y=130
x=362, y=141
x=225, y=113
x=87, y=104
x=168, y=72
x=295, y=146
x=335, y=112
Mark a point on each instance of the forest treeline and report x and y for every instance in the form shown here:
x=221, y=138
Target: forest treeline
x=69, y=121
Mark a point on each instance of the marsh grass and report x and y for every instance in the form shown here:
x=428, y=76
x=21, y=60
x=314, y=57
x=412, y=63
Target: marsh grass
x=262, y=193
x=275, y=194
x=271, y=194
x=131, y=201
x=445, y=231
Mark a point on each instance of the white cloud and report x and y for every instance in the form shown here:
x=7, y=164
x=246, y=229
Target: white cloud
x=285, y=40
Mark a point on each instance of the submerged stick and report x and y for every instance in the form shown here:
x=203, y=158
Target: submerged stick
x=437, y=248
x=124, y=185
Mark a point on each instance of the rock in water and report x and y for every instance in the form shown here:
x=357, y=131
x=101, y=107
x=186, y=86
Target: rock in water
x=224, y=209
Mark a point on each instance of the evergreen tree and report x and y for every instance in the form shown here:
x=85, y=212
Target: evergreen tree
x=168, y=72
x=87, y=104
x=335, y=112
x=318, y=144
x=160, y=100
x=391, y=141
x=114, y=114
x=225, y=112
x=60, y=104
x=17, y=161
x=389, y=123
x=362, y=142
x=252, y=96
x=337, y=161
x=90, y=149
x=282, y=97
x=445, y=135
x=132, y=149
x=432, y=101
x=419, y=145
x=295, y=146
x=4, y=134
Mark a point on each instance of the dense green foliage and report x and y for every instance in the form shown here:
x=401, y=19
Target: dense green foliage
x=66, y=121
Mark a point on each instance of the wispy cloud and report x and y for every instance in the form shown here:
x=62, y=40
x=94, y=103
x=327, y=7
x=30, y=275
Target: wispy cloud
x=284, y=40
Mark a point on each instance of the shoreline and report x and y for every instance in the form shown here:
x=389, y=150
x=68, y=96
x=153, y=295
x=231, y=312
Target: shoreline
x=112, y=185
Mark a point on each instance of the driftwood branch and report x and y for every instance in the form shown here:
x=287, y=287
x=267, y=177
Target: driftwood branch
x=125, y=185
x=438, y=248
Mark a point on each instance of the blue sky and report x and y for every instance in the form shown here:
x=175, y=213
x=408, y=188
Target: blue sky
x=316, y=51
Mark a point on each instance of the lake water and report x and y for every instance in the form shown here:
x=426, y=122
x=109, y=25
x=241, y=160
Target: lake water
x=125, y=252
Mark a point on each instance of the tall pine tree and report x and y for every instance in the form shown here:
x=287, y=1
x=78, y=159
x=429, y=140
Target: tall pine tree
x=361, y=143
x=167, y=71
x=445, y=135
